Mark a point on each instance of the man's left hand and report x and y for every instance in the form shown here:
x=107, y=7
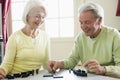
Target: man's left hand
x=94, y=66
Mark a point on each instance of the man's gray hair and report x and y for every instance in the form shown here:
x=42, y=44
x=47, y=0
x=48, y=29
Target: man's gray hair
x=30, y=5
x=95, y=8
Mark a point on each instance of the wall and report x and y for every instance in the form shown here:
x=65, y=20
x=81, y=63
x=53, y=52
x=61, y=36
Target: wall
x=110, y=7
x=60, y=48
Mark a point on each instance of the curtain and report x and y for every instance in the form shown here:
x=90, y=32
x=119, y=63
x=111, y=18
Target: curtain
x=118, y=9
x=5, y=9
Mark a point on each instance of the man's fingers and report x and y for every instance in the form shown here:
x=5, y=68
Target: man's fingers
x=90, y=62
x=93, y=67
x=55, y=67
x=50, y=65
x=87, y=63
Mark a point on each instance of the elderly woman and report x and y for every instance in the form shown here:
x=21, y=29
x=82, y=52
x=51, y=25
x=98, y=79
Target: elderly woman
x=27, y=49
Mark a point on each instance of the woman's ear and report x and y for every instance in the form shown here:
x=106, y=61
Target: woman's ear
x=27, y=18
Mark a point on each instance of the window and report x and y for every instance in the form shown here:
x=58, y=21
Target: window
x=60, y=19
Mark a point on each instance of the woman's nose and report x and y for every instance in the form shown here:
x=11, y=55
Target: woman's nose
x=39, y=19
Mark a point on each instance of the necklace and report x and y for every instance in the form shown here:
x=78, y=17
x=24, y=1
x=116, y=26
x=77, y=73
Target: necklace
x=33, y=34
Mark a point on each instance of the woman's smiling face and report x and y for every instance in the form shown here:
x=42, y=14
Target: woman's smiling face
x=36, y=17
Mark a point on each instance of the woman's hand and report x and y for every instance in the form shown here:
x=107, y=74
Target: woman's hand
x=2, y=74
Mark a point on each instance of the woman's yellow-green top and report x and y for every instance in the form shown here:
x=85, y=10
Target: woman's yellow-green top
x=24, y=53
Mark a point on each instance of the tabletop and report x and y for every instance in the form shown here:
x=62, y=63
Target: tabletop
x=65, y=75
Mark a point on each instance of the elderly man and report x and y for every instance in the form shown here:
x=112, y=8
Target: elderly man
x=97, y=46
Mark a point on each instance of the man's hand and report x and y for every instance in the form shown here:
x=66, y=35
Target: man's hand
x=94, y=66
x=52, y=66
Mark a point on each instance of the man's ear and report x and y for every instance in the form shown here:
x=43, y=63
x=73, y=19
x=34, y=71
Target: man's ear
x=99, y=20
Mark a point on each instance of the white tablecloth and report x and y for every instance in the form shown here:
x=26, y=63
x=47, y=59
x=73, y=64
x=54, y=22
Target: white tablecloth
x=66, y=76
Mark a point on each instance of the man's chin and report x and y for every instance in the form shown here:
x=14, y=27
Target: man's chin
x=87, y=34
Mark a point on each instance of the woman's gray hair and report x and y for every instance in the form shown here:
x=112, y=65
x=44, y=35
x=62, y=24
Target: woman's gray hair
x=30, y=5
x=95, y=8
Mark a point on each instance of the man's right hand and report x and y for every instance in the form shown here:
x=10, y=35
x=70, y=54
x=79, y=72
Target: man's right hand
x=54, y=65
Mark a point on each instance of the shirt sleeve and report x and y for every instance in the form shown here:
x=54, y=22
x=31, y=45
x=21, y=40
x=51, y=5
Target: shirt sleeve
x=116, y=56
x=47, y=52
x=74, y=58
x=9, y=55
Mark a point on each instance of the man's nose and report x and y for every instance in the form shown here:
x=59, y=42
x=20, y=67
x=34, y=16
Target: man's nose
x=83, y=25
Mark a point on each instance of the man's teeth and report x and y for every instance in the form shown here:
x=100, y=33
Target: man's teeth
x=86, y=30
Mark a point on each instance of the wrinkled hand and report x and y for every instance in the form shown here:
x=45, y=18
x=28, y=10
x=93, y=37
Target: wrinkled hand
x=52, y=66
x=2, y=74
x=94, y=66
